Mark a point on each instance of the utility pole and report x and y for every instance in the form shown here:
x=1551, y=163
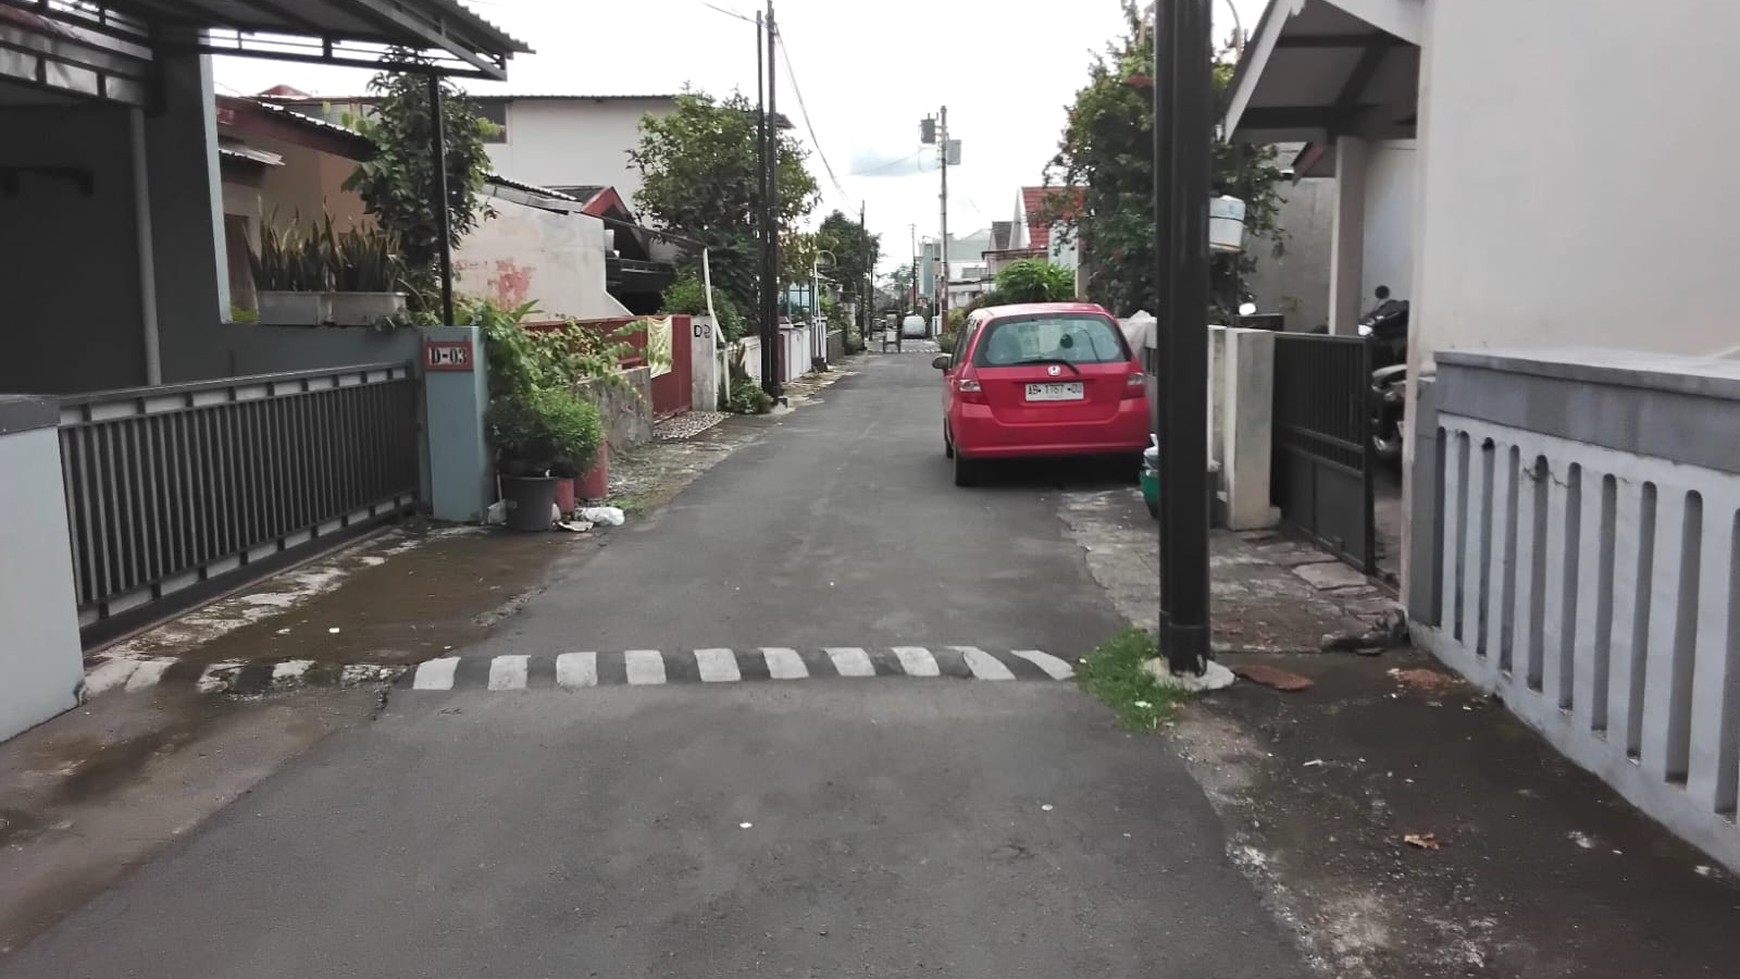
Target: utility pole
x=912, y=300
x=941, y=321
x=770, y=337
x=869, y=286
x=1183, y=110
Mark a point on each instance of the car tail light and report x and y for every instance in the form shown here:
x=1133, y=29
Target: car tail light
x=970, y=390
x=1136, y=385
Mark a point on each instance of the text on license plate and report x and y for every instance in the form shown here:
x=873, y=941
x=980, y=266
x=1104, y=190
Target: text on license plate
x=1071, y=391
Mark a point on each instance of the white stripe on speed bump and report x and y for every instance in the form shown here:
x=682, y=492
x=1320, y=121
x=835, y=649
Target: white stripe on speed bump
x=784, y=664
x=148, y=673
x=507, y=673
x=917, y=661
x=436, y=674
x=717, y=665
x=850, y=660
x=217, y=676
x=984, y=665
x=109, y=675
x=577, y=670
x=290, y=670
x=645, y=667
x=1054, y=667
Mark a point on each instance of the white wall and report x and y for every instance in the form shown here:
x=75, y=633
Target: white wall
x=572, y=142
x=1389, y=220
x=1297, y=283
x=1576, y=176
x=525, y=254
x=40, y=660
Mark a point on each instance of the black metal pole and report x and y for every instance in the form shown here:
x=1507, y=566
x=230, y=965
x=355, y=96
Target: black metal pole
x=443, y=221
x=770, y=337
x=762, y=226
x=1184, y=111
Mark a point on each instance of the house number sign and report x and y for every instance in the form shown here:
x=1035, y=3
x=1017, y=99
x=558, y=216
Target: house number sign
x=447, y=355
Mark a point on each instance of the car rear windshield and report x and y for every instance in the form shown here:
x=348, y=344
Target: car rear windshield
x=1049, y=339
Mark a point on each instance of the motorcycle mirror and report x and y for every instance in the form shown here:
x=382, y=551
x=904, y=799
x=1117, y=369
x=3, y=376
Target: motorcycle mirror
x=1246, y=309
x=1383, y=293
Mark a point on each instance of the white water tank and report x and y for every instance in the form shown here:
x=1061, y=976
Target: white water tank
x=1226, y=224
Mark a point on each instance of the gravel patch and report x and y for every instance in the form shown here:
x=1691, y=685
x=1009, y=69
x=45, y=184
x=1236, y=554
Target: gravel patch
x=685, y=426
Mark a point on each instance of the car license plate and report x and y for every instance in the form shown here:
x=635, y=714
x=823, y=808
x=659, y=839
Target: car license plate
x=1071, y=391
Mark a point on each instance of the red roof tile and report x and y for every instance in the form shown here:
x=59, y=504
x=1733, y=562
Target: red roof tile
x=1045, y=205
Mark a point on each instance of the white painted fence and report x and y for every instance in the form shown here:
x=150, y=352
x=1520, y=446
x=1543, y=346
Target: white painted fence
x=1588, y=568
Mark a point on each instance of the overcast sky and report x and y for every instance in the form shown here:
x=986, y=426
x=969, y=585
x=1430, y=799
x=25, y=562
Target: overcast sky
x=868, y=73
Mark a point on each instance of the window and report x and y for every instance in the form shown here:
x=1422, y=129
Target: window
x=495, y=110
x=1083, y=339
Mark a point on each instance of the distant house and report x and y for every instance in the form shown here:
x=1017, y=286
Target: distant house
x=575, y=254
x=555, y=141
x=1041, y=213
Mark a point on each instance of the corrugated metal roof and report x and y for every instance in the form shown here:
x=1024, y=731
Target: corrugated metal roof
x=509, y=182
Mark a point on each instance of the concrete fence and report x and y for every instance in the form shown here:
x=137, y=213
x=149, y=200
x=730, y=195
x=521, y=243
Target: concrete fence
x=625, y=408
x=1578, y=530
x=1241, y=404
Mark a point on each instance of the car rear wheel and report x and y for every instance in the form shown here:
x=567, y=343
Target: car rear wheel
x=948, y=443
x=967, y=471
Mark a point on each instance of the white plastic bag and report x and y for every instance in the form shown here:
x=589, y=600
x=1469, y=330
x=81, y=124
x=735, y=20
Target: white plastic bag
x=607, y=515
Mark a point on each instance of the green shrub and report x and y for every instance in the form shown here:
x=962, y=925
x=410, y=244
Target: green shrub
x=544, y=431
x=1035, y=280
x=747, y=397
x=689, y=295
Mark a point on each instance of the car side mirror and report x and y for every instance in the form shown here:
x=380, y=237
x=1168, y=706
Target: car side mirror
x=943, y=362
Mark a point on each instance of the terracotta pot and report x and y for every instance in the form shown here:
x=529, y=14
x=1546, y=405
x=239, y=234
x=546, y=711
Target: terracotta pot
x=594, y=484
x=565, y=496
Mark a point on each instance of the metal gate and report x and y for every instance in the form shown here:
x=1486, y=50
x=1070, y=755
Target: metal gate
x=1322, y=467
x=176, y=492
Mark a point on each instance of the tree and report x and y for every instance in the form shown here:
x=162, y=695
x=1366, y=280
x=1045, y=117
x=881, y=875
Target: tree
x=397, y=185
x=1107, y=149
x=900, y=283
x=701, y=180
x=855, y=252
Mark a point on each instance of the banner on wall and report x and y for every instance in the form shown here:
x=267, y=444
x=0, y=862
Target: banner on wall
x=658, y=345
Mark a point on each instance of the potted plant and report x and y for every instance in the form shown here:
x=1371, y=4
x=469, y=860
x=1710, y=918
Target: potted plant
x=290, y=278
x=543, y=435
x=367, y=277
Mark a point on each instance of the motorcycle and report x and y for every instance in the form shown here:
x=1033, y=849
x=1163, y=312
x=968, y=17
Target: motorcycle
x=1385, y=328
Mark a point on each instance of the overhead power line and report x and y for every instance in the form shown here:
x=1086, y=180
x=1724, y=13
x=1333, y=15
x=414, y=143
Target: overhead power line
x=804, y=111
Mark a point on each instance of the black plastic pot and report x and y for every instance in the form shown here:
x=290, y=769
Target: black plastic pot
x=528, y=501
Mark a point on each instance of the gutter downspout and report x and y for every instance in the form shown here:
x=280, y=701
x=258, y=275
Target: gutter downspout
x=147, y=255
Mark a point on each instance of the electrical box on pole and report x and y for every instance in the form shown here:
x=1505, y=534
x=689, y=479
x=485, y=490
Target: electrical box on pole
x=927, y=131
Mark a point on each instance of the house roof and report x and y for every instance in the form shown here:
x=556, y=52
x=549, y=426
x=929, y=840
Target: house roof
x=1044, y=206
x=342, y=141
x=547, y=192
x=448, y=35
x=1317, y=67
x=1001, y=232
x=286, y=95
x=275, y=120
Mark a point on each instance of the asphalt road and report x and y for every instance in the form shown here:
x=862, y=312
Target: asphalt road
x=876, y=827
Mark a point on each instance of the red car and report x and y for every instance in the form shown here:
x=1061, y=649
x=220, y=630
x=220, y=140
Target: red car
x=1041, y=380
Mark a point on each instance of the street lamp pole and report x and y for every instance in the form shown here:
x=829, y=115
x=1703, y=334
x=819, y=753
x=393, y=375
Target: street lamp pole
x=818, y=325
x=1183, y=127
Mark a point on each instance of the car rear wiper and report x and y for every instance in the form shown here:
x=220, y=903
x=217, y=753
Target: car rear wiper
x=1047, y=360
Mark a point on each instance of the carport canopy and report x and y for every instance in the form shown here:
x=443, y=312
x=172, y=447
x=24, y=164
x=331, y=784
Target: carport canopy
x=104, y=48
x=1316, y=70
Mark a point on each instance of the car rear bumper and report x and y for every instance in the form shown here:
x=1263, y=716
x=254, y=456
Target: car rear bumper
x=979, y=435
